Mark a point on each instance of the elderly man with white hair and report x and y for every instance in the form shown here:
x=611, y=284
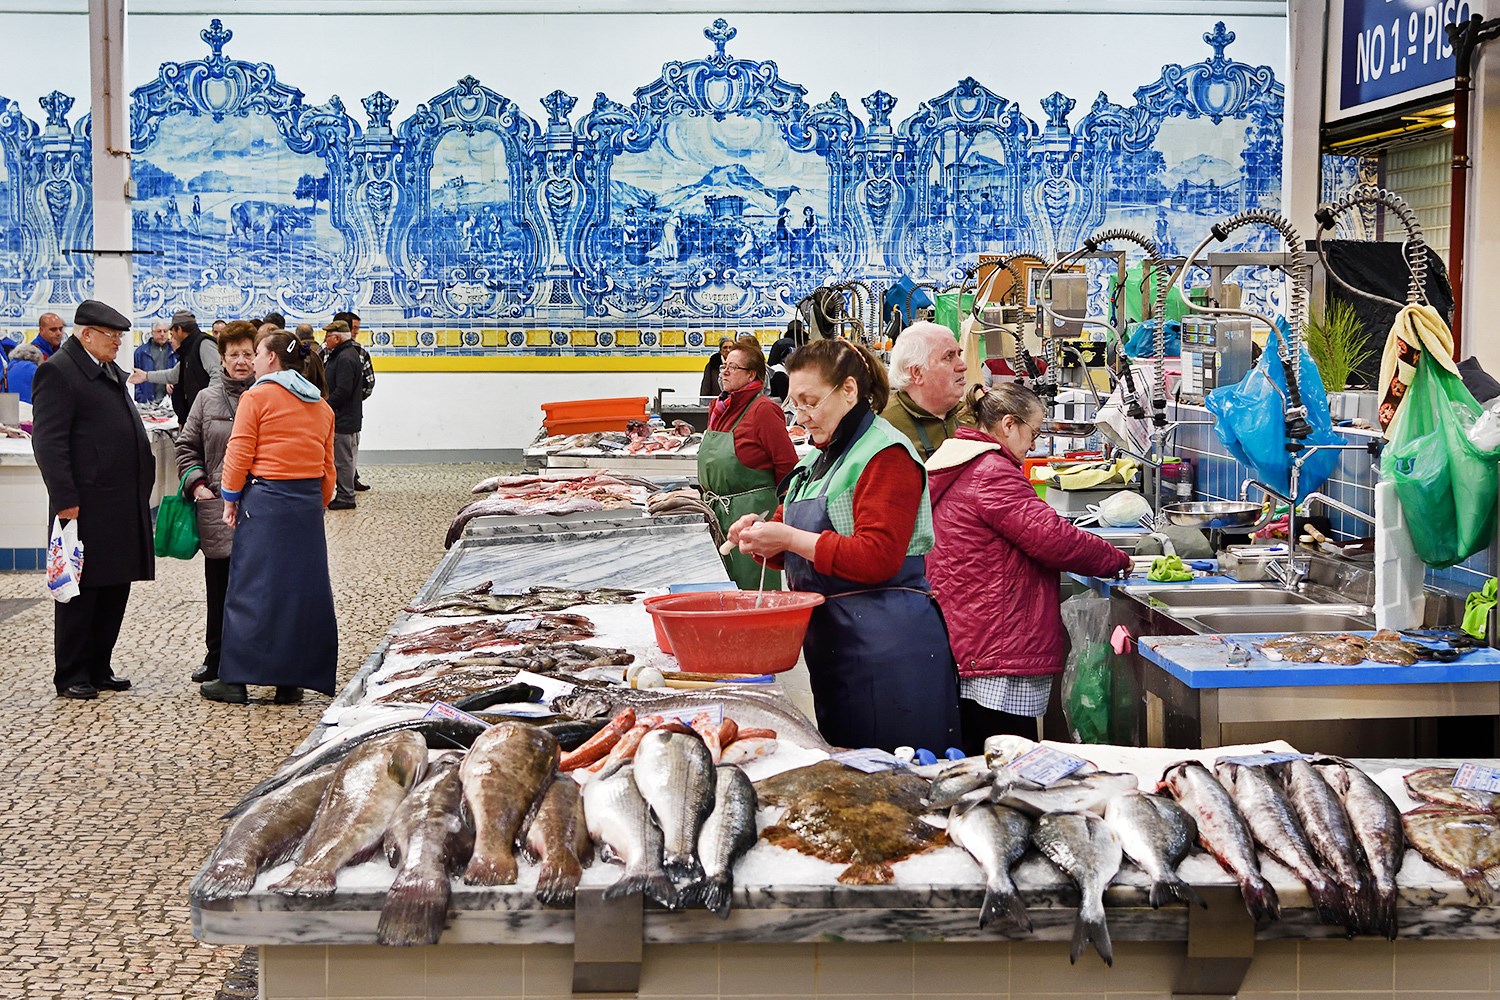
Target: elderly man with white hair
x=928, y=379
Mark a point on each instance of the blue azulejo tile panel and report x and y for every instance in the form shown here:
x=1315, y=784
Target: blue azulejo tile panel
x=715, y=198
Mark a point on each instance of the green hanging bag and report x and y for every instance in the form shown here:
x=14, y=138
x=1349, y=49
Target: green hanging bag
x=177, y=525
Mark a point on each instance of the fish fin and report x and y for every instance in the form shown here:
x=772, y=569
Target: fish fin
x=1479, y=887
x=1091, y=929
x=1359, y=908
x=307, y=882
x=226, y=878
x=867, y=873
x=557, y=881
x=714, y=893
x=1170, y=887
x=1383, y=913
x=1260, y=899
x=682, y=867
x=415, y=911
x=1330, y=902
x=652, y=885
x=1003, y=907
x=491, y=869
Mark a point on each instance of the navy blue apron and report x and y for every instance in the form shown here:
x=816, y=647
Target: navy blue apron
x=279, y=625
x=878, y=656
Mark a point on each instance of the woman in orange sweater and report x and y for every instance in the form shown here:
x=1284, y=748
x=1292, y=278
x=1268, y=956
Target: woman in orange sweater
x=279, y=625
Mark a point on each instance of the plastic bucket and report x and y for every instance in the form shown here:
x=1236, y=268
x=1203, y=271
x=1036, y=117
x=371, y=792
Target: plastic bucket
x=724, y=632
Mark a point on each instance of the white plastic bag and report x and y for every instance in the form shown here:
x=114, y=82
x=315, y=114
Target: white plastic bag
x=64, y=561
x=1484, y=434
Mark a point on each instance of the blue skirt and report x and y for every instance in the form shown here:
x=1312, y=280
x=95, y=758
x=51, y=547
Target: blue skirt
x=279, y=625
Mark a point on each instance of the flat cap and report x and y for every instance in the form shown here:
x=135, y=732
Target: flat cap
x=337, y=326
x=92, y=312
x=182, y=316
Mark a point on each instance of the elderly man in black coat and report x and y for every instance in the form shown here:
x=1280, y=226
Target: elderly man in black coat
x=96, y=462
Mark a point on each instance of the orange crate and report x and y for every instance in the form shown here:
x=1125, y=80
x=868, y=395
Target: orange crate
x=579, y=416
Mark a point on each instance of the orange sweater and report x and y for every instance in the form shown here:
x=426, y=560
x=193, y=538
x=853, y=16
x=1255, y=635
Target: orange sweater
x=278, y=436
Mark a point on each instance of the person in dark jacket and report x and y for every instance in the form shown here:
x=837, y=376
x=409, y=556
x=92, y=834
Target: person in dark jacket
x=96, y=462
x=197, y=364
x=368, y=366
x=994, y=565
x=24, y=361
x=154, y=355
x=710, y=384
x=776, y=377
x=346, y=383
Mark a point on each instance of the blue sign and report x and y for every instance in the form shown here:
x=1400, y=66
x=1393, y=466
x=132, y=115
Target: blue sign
x=1393, y=47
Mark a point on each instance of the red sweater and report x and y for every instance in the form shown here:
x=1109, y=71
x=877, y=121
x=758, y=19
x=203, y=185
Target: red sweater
x=886, y=500
x=760, y=440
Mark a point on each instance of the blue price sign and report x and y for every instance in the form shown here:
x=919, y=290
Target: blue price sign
x=1390, y=48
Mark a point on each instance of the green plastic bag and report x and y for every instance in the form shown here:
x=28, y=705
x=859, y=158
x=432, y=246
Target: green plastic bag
x=1177, y=306
x=1446, y=485
x=948, y=311
x=176, y=526
x=1087, y=677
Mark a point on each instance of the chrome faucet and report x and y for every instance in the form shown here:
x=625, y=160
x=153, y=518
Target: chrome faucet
x=1332, y=504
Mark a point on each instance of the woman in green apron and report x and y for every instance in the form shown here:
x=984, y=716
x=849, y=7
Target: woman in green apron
x=744, y=454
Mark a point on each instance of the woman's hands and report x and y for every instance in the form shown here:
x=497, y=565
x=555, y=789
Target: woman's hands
x=231, y=512
x=767, y=539
x=202, y=492
x=740, y=525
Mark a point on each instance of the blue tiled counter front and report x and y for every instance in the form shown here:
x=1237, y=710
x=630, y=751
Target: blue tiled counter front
x=1201, y=661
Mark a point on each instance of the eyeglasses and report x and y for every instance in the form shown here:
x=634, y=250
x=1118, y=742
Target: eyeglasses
x=805, y=410
x=111, y=334
x=1036, y=432
x=735, y=368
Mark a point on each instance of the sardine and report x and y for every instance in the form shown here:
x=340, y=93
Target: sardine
x=1279, y=832
x=675, y=775
x=1463, y=842
x=358, y=803
x=263, y=836
x=1156, y=834
x=1330, y=833
x=1435, y=784
x=995, y=837
x=559, y=839
x=1076, y=793
x=429, y=840
x=1223, y=833
x=1088, y=852
x=504, y=774
x=620, y=822
x=727, y=834
x=1377, y=827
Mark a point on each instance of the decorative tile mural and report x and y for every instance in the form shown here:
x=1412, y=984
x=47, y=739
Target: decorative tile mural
x=714, y=200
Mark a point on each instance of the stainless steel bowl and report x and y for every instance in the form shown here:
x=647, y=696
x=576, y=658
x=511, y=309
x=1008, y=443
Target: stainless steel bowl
x=1224, y=516
x=1068, y=428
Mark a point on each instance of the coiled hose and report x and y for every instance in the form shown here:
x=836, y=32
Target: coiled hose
x=1414, y=249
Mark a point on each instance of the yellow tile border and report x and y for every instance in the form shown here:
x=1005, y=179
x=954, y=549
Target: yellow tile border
x=502, y=363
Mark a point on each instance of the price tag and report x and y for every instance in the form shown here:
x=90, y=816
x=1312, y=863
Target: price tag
x=868, y=760
x=1046, y=766
x=1477, y=778
x=551, y=687
x=1262, y=759
x=714, y=710
x=443, y=710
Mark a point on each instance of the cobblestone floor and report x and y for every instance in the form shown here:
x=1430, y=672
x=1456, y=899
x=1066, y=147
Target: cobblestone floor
x=109, y=807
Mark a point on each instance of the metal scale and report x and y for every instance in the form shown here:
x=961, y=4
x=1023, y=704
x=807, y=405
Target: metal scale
x=1217, y=350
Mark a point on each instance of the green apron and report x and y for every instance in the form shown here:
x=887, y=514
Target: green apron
x=734, y=490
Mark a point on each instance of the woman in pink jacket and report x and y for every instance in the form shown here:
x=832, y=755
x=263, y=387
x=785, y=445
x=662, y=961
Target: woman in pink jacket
x=994, y=568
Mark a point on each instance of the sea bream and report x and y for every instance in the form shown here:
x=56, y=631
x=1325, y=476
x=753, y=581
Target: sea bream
x=1088, y=852
x=620, y=823
x=428, y=841
x=1223, y=833
x=1377, y=827
x=504, y=774
x=559, y=838
x=1156, y=834
x=727, y=834
x=263, y=836
x=357, y=805
x=675, y=775
x=995, y=837
x=1330, y=834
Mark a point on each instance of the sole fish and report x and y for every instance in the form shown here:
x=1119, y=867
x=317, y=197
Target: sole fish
x=1330, y=833
x=727, y=834
x=1377, y=828
x=361, y=797
x=504, y=774
x=263, y=836
x=620, y=823
x=995, y=837
x=559, y=839
x=1223, y=833
x=1156, y=834
x=1088, y=852
x=1462, y=842
x=1435, y=784
x=429, y=839
x=1278, y=830
x=675, y=775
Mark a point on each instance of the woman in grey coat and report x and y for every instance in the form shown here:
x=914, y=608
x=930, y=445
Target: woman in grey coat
x=200, y=459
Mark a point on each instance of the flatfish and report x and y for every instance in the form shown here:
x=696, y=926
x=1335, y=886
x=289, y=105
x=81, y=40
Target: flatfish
x=1435, y=784
x=1462, y=842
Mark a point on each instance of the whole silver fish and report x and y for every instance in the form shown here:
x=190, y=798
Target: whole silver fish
x=263, y=836
x=1076, y=793
x=429, y=840
x=1278, y=830
x=727, y=834
x=995, y=837
x=1156, y=834
x=1088, y=852
x=675, y=774
x=1330, y=833
x=1377, y=827
x=620, y=822
x=504, y=774
x=1223, y=833
x=357, y=805
x=959, y=780
x=559, y=839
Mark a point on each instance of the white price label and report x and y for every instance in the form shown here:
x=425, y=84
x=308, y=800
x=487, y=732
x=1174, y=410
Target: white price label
x=443, y=710
x=1477, y=778
x=551, y=686
x=1262, y=759
x=868, y=760
x=1046, y=766
x=715, y=712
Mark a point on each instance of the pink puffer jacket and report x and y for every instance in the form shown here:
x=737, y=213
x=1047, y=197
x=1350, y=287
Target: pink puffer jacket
x=1000, y=548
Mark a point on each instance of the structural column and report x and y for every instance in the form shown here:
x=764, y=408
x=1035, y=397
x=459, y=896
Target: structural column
x=111, y=154
x=1301, y=168
x=1482, y=258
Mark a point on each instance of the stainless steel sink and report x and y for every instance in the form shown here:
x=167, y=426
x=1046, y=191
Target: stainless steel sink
x=1218, y=595
x=1305, y=618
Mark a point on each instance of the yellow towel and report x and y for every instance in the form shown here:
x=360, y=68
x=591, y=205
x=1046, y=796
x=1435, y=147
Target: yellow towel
x=1090, y=476
x=1421, y=327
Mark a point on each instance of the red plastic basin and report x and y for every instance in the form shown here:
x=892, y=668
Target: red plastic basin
x=724, y=632
x=662, y=642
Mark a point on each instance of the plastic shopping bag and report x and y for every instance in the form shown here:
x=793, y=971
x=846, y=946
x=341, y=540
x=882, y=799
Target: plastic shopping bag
x=64, y=561
x=1142, y=340
x=1447, y=485
x=1087, y=676
x=1250, y=418
x=177, y=526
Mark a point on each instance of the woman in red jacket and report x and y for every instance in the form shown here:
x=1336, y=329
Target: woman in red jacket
x=995, y=564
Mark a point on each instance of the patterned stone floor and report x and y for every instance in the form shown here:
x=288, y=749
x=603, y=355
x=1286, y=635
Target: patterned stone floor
x=108, y=808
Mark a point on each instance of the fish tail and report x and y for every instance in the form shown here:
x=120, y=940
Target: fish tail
x=497, y=868
x=1359, y=906
x=1479, y=887
x=1170, y=887
x=1329, y=901
x=557, y=881
x=307, y=882
x=682, y=867
x=1090, y=927
x=1003, y=906
x=653, y=885
x=1383, y=909
x=714, y=893
x=1260, y=898
x=227, y=878
x=415, y=911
